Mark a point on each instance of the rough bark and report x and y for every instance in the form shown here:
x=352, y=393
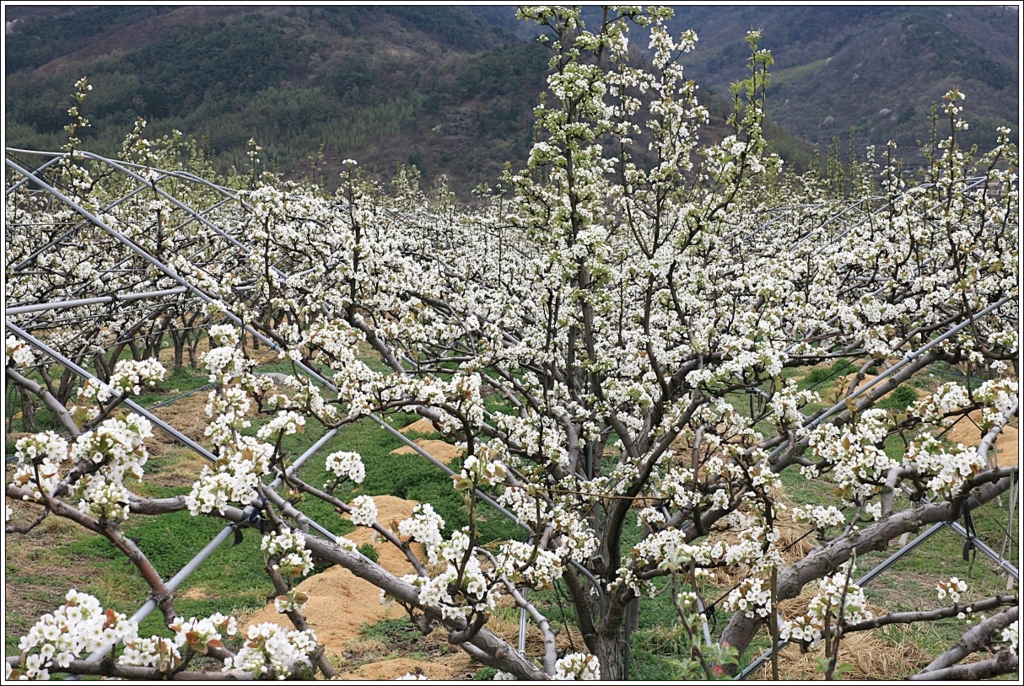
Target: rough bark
x=1005, y=662
x=971, y=641
x=610, y=654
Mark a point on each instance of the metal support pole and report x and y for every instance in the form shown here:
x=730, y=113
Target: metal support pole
x=42, y=347
x=312, y=373
x=522, y=625
x=907, y=359
x=193, y=564
x=632, y=612
x=987, y=551
x=59, y=305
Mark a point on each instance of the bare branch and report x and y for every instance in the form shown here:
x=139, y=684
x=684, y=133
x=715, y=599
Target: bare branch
x=971, y=641
x=1005, y=662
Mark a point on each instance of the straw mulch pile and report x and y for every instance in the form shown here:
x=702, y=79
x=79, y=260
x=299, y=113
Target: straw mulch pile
x=870, y=657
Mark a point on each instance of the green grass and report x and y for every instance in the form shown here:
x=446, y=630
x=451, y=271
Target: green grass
x=232, y=580
x=389, y=629
x=798, y=73
x=819, y=379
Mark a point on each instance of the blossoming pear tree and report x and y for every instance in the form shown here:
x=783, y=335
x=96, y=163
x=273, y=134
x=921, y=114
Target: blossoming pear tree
x=635, y=283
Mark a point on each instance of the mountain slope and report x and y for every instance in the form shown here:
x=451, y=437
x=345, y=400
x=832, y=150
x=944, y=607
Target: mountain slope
x=876, y=69
x=381, y=84
x=451, y=89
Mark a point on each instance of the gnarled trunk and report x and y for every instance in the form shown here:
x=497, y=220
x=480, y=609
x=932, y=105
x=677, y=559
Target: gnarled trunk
x=610, y=649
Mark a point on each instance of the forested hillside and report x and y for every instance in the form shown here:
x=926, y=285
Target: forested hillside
x=451, y=89
x=876, y=69
x=383, y=85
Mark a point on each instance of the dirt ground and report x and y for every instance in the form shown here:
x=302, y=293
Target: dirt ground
x=340, y=604
x=442, y=452
x=420, y=426
x=968, y=432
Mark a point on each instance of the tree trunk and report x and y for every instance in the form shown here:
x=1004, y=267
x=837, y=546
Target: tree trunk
x=610, y=650
x=179, y=338
x=28, y=411
x=193, y=347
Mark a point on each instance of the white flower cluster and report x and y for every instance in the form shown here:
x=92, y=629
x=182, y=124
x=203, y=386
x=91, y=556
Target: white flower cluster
x=273, y=651
x=45, y=451
x=474, y=594
x=524, y=563
x=948, y=468
x=671, y=551
x=486, y=472
x=102, y=499
x=235, y=479
x=227, y=408
x=224, y=335
x=1009, y=636
x=285, y=422
x=118, y=447
x=820, y=518
x=578, y=667
x=751, y=550
x=307, y=397
x=224, y=364
x=953, y=588
x=424, y=526
x=17, y=353
x=293, y=601
x=155, y=651
x=577, y=539
x=94, y=391
x=128, y=379
x=130, y=375
x=753, y=597
x=525, y=506
x=946, y=398
x=347, y=544
x=364, y=511
x=295, y=560
x=859, y=464
x=810, y=628
x=346, y=465
x=77, y=628
x=999, y=394
x=786, y=404
x=242, y=460
x=651, y=517
x=200, y=633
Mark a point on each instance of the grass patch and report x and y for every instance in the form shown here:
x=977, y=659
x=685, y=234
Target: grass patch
x=900, y=398
x=231, y=580
x=822, y=376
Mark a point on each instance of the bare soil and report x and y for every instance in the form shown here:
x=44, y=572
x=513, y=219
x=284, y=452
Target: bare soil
x=441, y=451
x=340, y=603
x=420, y=426
x=968, y=432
